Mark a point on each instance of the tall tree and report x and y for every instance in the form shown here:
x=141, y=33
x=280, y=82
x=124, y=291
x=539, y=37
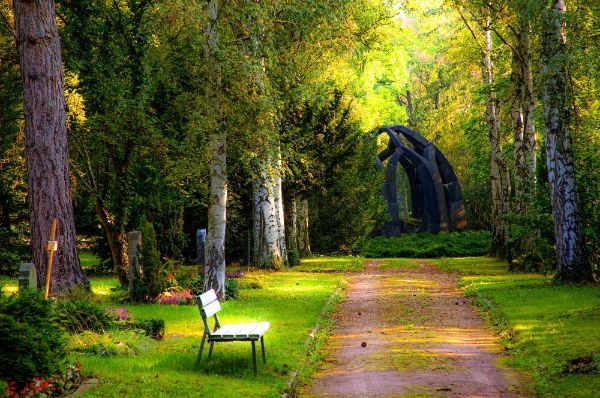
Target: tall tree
x=38, y=44
x=573, y=265
x=217, y=208
x=499, y=172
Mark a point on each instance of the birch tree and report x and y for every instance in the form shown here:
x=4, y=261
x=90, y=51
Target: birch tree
x=499, y=172
x=38, y=44
x=217, y=209
x=572, y=264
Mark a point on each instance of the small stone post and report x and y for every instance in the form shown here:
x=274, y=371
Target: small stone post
x=201, y=250
x=27, y=277
x=134, y=242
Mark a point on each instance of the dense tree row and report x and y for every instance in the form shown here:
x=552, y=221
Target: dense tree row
x=249, y=118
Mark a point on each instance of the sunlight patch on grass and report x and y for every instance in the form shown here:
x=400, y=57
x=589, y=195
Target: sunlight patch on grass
x=330, y=264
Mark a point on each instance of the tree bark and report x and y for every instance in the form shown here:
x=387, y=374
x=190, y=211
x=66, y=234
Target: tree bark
x=38, y=44
x=49, y=193
x=267, y=245
x=217, y=209
x=572, y=264
x=499, y=174
x=292, y=230
x=522, y=115
x=303, y=232
x=117, y=242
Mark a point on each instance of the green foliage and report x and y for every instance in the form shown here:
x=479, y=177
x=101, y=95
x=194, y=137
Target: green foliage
x=153, y=278
x=293, y=257
x=9, y=263
x=79, y=314
x=428, y=245
x=232, y=287
x=154, y=328
x=32, y=342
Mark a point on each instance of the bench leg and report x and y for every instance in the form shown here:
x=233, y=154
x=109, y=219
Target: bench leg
x=262, y=346
x=254, y=356
x=201, y=348
x=212, y=343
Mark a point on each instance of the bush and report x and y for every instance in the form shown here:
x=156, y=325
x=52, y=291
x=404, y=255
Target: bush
x=32, y=342
x=152, y=281
x=79, y=314
x=9, y=263
x=476, y=243
x=154, y=328
x=232, y=288
x=177, y=297
x=293, y=257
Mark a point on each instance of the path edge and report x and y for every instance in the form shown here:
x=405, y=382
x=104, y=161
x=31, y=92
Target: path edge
x=315, y=339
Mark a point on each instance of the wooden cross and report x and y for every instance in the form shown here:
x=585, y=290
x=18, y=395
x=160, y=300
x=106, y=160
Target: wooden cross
x=51, y=247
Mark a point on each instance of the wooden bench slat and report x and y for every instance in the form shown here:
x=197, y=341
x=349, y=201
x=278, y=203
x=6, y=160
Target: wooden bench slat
x=211, y=309
x=207, y=298
x=260, y=329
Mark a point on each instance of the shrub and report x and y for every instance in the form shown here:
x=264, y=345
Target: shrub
x=55, y=386
x=182, y=297
x=9, y=263
x=32, y=342
x=232, y=287
x=293, y=257
x=429, y=246
x=153, y=278
x=154, y=328
x=79, y=314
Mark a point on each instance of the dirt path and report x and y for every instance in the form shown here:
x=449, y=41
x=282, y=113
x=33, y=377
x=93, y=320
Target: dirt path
x=423, y=338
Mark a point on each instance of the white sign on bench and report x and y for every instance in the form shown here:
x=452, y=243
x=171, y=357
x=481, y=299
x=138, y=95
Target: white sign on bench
x=209, y=306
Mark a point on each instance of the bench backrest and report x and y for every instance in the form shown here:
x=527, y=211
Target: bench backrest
x=209, y=305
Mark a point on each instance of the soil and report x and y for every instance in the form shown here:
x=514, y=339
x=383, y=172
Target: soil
x=423, y=338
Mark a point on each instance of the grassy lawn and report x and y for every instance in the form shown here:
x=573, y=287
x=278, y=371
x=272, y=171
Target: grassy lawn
x=543, y=325
x=292, y=301
x=330, y=264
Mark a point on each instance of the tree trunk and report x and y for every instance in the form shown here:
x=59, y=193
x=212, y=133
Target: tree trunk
x=499, y=174
x=267, y=247
x=572, y=263
x=522, y=115
x=292, y=230
x=217, y=209
x=38, y=44
x=117, y=242
x=303, y=234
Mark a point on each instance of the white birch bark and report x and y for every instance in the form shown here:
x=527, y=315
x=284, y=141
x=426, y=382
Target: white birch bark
x=217, y=208
x=499, y=174
x=572, y=263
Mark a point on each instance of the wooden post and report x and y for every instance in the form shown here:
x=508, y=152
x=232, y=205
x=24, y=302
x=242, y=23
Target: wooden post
x=51, y=247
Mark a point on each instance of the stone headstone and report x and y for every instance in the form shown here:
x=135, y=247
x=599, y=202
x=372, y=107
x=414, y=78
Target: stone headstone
x=134, y=243
x=201, y=250
x=27, y=276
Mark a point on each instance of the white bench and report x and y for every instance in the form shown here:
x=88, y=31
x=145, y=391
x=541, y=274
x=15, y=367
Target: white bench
x=209, y=306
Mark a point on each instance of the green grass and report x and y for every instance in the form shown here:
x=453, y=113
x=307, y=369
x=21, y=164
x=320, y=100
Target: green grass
x=330, y=264
x=398, y=263
x=543, y=325
x=291, y=301
x=473, y=243
x=87, y=259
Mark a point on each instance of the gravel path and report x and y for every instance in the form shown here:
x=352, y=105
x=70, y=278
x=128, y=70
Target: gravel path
x=423, y=338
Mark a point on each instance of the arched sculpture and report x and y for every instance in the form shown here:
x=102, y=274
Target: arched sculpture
x=436, y=198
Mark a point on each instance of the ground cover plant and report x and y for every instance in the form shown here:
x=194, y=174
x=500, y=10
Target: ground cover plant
x=473, y=243
x=331, y=264
x=551, y=330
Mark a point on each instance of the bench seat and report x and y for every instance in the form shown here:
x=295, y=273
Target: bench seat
x=250, y=331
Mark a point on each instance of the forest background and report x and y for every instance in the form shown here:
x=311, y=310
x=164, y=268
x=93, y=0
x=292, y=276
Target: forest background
x=161, y=94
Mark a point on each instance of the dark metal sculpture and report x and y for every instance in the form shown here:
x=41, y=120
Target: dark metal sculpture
x=436, y=198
